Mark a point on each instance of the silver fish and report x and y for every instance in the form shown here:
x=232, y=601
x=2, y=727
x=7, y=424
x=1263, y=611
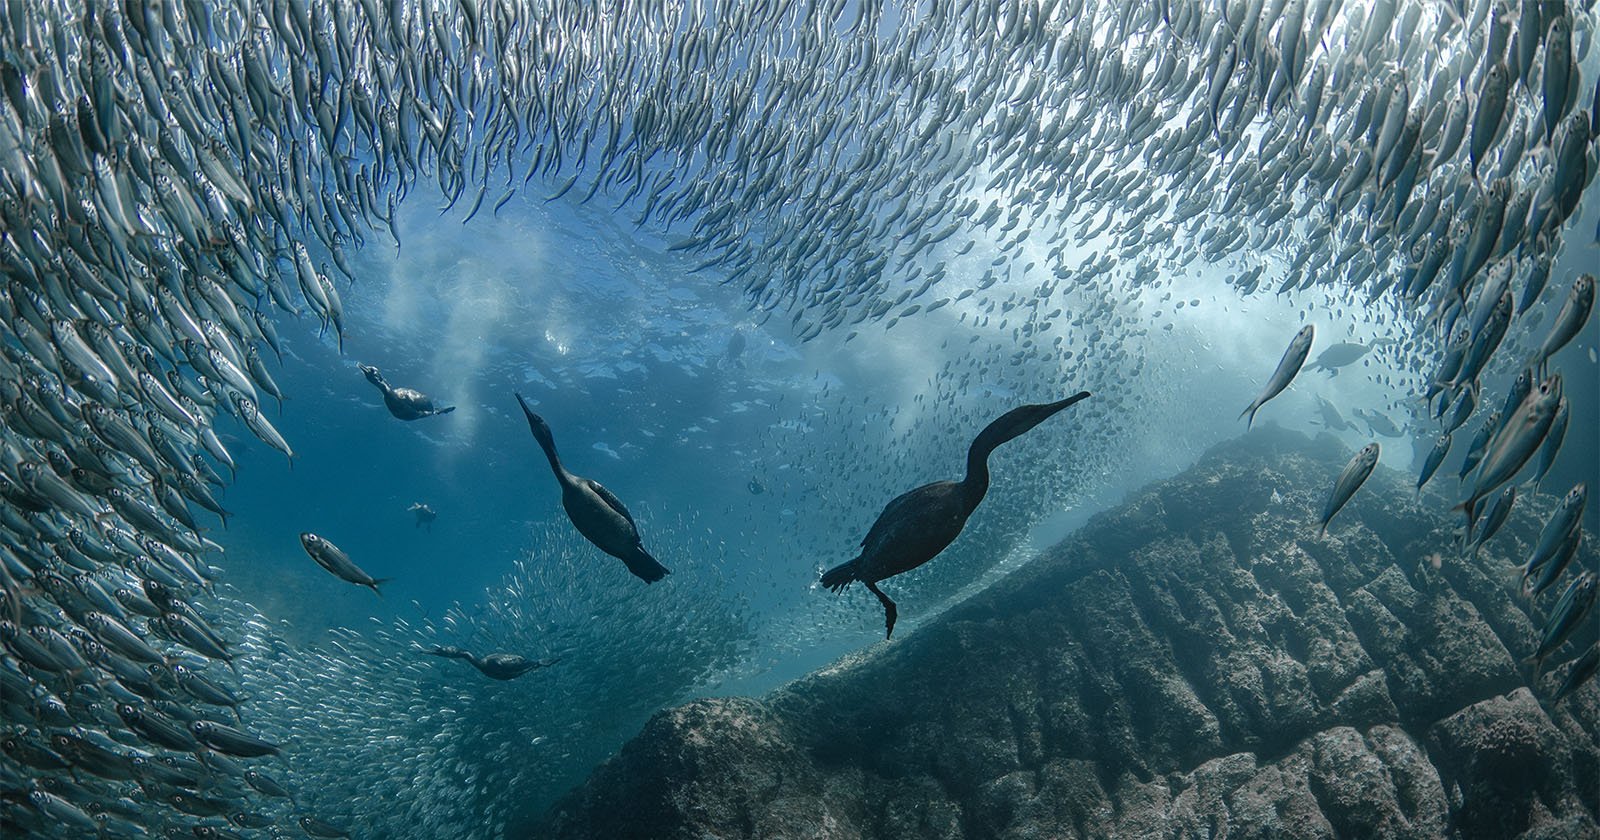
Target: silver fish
x=1496, y=517
x=1582, y=670
x=1288, y=366
x=330, y=557
x=1569, y=322
x=1563, y=521
x=1565, y=618
x=1552, y=443
x=1349, y=481
x=1521, y=435
x=1435, y=457
x=228, y=740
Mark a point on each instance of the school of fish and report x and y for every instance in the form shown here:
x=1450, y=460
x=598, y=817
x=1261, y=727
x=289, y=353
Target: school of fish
x=179, y=179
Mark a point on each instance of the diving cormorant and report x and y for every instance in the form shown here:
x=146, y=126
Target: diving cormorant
x=598, y=515
x=403, y=403
x=916, y=526
x=495, y=666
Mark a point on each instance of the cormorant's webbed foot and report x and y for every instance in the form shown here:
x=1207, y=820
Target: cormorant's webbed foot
x=889, y=611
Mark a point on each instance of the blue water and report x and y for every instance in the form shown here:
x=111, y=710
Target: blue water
x=752, y=455
x=627, y=355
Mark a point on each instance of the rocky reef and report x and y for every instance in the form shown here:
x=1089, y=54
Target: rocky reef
x=1197, y=662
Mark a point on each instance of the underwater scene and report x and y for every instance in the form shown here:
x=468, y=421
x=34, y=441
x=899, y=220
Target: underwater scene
x=824, y=419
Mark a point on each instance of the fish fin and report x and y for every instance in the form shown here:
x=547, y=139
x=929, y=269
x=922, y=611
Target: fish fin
x=377, y=582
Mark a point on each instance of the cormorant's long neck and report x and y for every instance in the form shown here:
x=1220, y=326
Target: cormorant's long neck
x=547, y=442
x=1007, y=426
x=976, y=483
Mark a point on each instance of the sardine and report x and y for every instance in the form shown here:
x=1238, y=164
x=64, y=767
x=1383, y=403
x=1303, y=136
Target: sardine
x=330, y=557
x=1288, y=366
x=1349, y=481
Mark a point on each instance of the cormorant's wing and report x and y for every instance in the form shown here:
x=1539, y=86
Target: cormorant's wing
x=906, y=510
x=611, y=501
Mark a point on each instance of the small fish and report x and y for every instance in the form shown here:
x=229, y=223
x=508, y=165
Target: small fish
x=1552, y=444
x=332, y=558
x=1436, y=456
x=266, y=785
x=250, y=415
x=1497, y=516
x=1288, y=366
x=1569, y=322
x=1349, y=481
x=1489, y=112
x=228, y=740
x=1479, y=442
x=1556, y=566
x=1522, y=435
x=1582, y=670
x=1565, y=519
x=1565, y=619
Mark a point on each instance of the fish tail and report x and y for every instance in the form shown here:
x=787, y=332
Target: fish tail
x=1251, y=411
x=840, y=576
x=644, y=566
x=377, y=583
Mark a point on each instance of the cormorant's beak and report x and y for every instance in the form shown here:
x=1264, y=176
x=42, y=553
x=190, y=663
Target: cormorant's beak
x=540, y=428
x=1022, y=419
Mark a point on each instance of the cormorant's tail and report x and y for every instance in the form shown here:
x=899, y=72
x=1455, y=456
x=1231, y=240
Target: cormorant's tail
x=645, y=567
x=840, y=576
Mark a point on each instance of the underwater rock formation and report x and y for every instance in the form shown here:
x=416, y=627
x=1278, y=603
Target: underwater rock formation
x=1193, y=663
